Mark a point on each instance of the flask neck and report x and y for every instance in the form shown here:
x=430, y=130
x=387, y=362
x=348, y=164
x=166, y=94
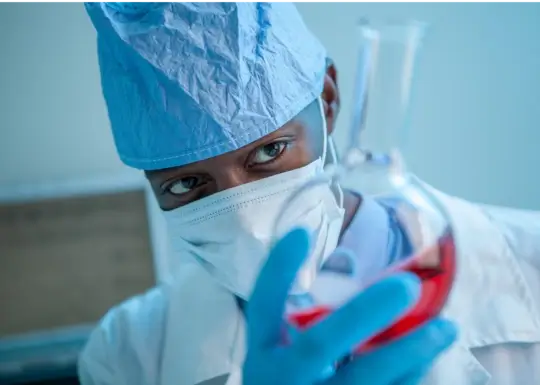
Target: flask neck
x=386, y=60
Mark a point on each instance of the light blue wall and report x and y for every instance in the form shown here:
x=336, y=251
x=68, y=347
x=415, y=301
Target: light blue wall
x=476, y=113
x=476, y=131
x=53, y=121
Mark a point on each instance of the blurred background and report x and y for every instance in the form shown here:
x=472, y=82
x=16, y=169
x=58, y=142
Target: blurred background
x=475, y=127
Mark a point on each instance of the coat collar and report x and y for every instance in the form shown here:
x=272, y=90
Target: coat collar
x=205, y=331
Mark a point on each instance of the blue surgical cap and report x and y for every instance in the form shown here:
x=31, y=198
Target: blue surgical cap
x=185, y=82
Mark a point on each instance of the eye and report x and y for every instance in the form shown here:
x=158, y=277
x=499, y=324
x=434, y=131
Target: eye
x=183, y=185
x=269, y=152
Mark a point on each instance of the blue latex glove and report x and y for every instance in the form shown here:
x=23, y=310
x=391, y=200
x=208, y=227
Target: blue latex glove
x=306, y=359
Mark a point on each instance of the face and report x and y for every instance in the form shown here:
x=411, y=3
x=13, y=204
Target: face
x=292, y=146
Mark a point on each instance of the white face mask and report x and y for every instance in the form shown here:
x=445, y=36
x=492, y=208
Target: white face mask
x=230, y=233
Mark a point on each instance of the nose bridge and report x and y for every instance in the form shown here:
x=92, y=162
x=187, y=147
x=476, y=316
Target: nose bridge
x=231, y=177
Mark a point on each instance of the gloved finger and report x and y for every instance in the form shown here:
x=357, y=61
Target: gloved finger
x=395, y=362
x=326, y=372
x=265, y=308
x=370, y=312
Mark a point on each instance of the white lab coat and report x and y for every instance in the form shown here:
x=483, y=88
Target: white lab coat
x=181, y=334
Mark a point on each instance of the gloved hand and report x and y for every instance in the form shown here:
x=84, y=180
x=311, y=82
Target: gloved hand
x=312, y=351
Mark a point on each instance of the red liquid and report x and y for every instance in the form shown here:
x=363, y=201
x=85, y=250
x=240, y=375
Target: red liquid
x=436, y=267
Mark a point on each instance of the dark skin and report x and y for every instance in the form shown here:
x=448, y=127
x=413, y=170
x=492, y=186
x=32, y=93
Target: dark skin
x=288, y=148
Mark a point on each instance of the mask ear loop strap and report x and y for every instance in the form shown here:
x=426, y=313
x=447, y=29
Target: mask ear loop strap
x=325, y=132
x=337, y=187
x=329, y=147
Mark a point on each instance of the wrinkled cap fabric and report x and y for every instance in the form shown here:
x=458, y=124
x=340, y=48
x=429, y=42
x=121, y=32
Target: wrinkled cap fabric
x=185, y=82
